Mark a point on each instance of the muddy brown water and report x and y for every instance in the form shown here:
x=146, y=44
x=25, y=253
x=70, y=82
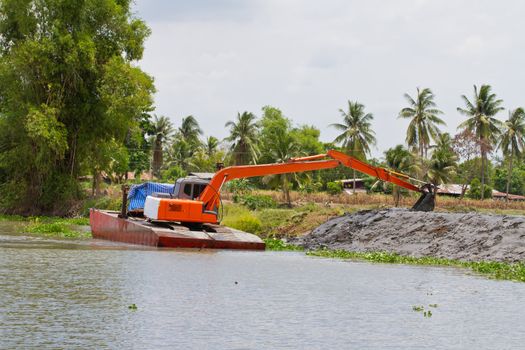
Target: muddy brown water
x=75, y=295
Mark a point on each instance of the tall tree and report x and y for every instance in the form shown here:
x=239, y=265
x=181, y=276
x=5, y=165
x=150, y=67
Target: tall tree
x=513, y=140
x=211, y=145
x=424, y=120
x=281, y=151
x=181, y=154
x=466, y=147
x=190, y=131
x=70, y=87
x=356, y=132
x=139, y=146
x=481, y=112
x=243, y=137
x=401, y=160
x=278, y=145
x=162, y=130
x=443, y=162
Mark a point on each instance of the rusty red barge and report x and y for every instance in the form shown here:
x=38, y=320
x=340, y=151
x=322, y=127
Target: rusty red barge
x=109, y=226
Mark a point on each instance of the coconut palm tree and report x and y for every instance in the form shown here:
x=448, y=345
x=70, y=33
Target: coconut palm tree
x=443, y=141
x=181, y=154
x=401, y=160
x=513, y=139
x=442, y=165
x=190, y=130
x=424, y=120
x=210, y=146
x=481, y=112
x=356, y=132
x=243, y=137
x=281, y=151
x=162, y=130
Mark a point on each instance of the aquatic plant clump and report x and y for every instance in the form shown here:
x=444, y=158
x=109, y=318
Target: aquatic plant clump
x=496, y=270
x=280, y=245
x=57, y=227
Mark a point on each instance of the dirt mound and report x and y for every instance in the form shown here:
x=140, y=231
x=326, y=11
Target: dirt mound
x=463, y=236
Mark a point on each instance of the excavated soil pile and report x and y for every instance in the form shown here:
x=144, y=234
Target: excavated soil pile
x=463, y=236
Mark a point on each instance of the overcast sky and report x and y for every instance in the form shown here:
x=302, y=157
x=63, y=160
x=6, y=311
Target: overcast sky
x=214, y=58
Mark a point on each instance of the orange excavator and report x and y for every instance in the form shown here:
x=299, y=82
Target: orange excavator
x=195, y=202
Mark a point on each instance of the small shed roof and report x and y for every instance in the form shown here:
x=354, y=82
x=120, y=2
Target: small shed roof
x=350, y=180
x=204, y=176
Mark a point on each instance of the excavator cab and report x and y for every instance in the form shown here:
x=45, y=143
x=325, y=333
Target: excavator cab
x=189, y=187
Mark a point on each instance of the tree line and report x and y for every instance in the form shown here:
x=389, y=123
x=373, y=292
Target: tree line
x=428, y=154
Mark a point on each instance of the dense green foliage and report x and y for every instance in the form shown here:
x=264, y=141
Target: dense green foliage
x=474, y=190
x=257, y=201
x=517, y=179
x=513, y=140
x=334, y=188
x=70, y=96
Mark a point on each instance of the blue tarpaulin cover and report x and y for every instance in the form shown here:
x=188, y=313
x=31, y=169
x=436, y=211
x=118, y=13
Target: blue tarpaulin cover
x=138, y=193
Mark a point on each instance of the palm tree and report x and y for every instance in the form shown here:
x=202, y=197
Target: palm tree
x=243, y=136
x=282, y=151
x=162, y=130
x=357, y=135
x=443, y=141
x=442, y=164
x=210, y=146
x=513, y=139
x=400, y=160
x=424, y=120
x=181, y=154
x=190, y=130
x=481, y=122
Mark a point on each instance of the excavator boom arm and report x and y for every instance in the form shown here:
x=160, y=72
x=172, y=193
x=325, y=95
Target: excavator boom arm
x=316, y=162
x=378, y=172
x=245, y=171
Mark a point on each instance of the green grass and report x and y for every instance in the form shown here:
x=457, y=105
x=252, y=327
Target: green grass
x=57, y=227
x=12, y=218
x=491, y=269
x=52, y=227
x=278, y=222
x=239, y=217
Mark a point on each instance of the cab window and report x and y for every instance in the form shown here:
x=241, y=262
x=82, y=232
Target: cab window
x=187, y=189
x=197, y=190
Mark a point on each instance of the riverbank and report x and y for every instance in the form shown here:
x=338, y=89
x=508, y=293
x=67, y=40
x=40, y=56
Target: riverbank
x=51, y=227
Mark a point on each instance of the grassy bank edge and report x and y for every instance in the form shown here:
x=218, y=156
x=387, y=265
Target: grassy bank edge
x=51, y=227
x=491, y=269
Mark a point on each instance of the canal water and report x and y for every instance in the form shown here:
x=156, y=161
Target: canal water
x=76, y=295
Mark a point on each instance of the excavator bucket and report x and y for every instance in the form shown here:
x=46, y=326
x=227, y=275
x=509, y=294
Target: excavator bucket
x=427, y=201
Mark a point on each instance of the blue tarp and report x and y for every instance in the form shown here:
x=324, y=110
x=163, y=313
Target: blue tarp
x=138, y=193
